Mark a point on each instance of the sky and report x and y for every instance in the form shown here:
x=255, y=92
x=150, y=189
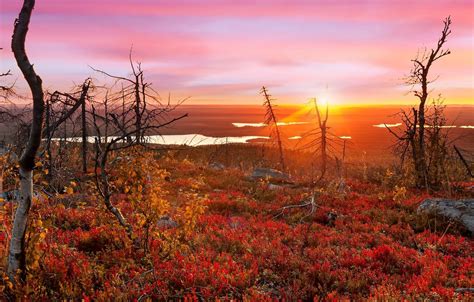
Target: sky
x=222, y=52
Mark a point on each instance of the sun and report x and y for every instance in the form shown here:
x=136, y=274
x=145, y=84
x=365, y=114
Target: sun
x=323, y=101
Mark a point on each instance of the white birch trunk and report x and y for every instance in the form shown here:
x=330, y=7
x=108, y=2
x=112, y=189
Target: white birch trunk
x=16, y=254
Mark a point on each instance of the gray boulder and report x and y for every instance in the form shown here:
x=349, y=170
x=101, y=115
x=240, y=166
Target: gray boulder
x=271, y=175
x=166, y=222
x=216, y=166
x=459, y=210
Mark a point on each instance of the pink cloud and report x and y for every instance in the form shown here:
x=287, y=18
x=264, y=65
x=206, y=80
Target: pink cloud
x=325, y=9
x=222, y=49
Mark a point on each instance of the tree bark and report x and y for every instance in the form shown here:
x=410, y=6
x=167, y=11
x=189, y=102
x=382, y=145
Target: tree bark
x=84, y=137
x=50, y=128
x=17, y=253
x=323, y=128
x=107, y=194
x=421, y=162
x=420, y=73
x=17, y=256
x=48, y=143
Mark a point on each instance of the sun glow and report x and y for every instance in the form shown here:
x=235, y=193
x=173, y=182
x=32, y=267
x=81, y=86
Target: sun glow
x=324, y=101
x=327, y=102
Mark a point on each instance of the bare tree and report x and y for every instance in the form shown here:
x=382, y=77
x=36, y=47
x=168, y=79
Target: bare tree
x=10, y=114
x=321, y=140
x=71, y=104
x=414, y=137
x=85, y=88
x=324, y=129
x=17, y=253
x=7, y=115
x=272, y=121
x=60, y=109
x=5, y=90
x=118, y=126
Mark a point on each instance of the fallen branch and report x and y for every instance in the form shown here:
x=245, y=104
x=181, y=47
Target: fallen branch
x=310, y=202
x=469, y=172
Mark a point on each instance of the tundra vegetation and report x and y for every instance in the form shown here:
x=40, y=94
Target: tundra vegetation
x=91, y=210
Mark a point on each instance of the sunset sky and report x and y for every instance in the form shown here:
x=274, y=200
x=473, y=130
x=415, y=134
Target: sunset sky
x=224, y=51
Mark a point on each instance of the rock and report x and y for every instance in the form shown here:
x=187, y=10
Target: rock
x=166, y=222
x=216, y=166
x=275, y=187
x=465, y=290
x=271, y=175
x=332, y=216
x=459, y=210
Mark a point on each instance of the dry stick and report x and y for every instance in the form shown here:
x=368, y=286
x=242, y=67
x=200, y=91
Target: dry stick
x=311, y=203
x=444, y=233
x=469, y=172
x=48, y=143
x=464, y=290
x=84, y=137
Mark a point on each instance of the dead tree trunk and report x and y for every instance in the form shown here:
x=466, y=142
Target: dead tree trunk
x=323, y=128
x=102, y=181
x=419, y=75
x=68, y=114
x=271, y=120
x=84, y=137
x=17, y=253
x=416, y=139
x=48, y=143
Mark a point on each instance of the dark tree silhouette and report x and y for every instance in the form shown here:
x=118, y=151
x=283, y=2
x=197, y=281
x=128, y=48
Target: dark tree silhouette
x=414, y=137
x=324, y=133
x=272, y=121
x=321, y=140
x=61, y=109
x=118, y=125
x=5, y=90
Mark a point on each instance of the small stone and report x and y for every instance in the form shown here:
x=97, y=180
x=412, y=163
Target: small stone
x=166, y=222
x=216, y=166
x=271, y=175
x=332, y=216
